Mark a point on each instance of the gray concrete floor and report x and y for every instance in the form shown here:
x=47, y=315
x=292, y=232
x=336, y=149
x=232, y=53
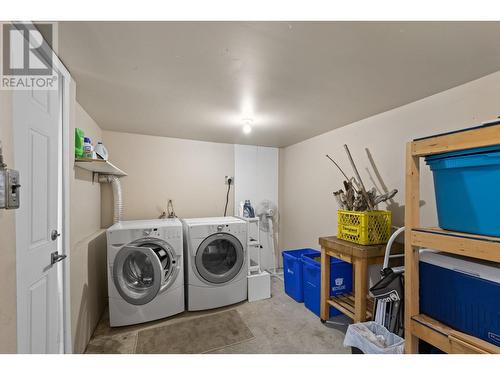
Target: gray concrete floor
x=280, y=326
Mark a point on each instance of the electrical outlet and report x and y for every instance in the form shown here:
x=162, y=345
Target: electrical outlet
x=227, y=178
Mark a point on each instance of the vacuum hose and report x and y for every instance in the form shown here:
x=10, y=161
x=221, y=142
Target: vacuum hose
x=117, y=196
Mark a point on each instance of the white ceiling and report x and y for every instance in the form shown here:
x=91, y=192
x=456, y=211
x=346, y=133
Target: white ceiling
x=199, y=80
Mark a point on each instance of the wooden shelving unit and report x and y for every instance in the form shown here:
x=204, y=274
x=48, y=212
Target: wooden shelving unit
x=99, y=166
x=448, y=339
x=420, y=326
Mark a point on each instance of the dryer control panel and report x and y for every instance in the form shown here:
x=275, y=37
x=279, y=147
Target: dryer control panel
x=203, y=231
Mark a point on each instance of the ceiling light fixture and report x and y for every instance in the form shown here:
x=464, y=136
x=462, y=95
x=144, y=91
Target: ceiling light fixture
x=247, y=127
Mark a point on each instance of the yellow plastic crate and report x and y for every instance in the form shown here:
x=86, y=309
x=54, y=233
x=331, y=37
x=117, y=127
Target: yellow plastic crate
x=364, y=228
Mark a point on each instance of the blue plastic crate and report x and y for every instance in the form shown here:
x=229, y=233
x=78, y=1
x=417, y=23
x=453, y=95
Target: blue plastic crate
x=340, y=281
x=292, y=271
x=465, y=183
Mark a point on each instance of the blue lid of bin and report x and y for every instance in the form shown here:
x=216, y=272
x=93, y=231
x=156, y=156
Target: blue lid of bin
x=472, y=160
x=470, y=151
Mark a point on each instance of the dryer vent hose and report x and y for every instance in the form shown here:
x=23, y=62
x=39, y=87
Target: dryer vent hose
x=117, y=196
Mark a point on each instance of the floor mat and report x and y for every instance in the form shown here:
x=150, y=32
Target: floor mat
x=198, y=335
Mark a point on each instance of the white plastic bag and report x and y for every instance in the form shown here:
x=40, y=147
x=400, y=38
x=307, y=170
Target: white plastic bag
x=373, y=338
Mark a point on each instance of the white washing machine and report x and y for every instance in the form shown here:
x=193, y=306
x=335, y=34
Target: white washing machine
x=215, y=253
x=145, y=271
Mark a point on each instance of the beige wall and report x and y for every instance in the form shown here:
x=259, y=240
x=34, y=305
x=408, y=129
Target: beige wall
x=88, y=243
x=191, y=173
x=307, y=178
x=8, y=343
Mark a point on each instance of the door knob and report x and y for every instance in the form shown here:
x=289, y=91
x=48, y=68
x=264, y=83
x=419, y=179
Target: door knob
x=56, y=257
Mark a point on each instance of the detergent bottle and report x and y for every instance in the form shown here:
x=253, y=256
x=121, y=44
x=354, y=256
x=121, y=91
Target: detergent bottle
x=248, y=209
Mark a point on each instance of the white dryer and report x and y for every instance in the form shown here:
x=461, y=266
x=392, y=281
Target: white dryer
x=145, y=271
x=215, y=262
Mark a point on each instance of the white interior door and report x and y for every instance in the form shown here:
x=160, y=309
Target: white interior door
x=37, y=152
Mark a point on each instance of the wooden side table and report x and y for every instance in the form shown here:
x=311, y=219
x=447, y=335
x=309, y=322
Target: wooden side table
x=355, y=305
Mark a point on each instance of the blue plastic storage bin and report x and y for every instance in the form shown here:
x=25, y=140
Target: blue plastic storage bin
x=465, y=183
x=292, y=271
x=340, y=281
x=462, y=294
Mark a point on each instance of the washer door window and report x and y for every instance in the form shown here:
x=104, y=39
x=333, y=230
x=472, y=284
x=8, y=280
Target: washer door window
x=137, y=273
x=166, y=254
x=219, y=258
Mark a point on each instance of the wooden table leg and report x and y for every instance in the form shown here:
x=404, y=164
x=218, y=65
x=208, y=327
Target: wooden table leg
x=325, y=286
x=360, y=288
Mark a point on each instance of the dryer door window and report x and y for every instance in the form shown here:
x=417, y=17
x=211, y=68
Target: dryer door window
x=137, y=273
x=219, y=258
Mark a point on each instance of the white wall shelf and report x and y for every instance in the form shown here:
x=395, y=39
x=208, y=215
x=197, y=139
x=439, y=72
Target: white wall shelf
x=99, y=166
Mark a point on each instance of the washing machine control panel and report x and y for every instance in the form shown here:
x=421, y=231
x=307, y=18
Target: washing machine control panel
x=153, y=232
x=224, y=228
x=165, y=232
